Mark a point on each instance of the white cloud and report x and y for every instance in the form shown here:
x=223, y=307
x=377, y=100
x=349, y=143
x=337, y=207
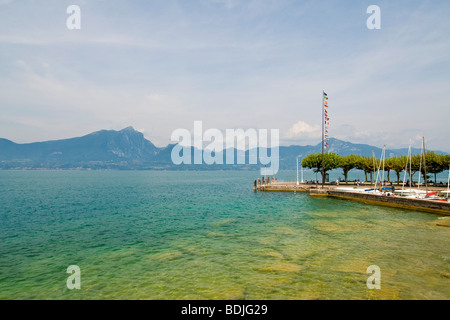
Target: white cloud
x=303, y=130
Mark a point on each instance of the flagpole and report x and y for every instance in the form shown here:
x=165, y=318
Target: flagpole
x=301, y=168
x=323, y=137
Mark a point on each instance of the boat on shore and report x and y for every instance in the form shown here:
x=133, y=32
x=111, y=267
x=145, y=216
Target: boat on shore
x=418, y=193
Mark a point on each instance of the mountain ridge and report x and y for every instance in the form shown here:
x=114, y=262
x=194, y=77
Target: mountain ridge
x=129, y=149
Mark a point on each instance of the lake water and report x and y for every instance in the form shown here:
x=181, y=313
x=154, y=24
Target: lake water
x=207, y=235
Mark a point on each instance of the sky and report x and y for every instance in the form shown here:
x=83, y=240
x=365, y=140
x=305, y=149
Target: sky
x=160, y=65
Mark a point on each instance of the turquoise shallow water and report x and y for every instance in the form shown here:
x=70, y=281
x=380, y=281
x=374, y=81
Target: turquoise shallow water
x=207, y=235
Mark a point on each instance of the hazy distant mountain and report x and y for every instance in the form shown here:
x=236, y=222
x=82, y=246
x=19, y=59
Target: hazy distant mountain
x=98, y=149
x=128, y=149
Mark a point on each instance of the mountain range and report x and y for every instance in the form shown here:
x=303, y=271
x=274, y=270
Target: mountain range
x=128, y=149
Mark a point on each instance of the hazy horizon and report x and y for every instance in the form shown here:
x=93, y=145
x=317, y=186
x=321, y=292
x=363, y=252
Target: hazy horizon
x=415, y=147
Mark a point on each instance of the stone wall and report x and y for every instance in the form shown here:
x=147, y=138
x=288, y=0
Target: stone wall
x=402, y=202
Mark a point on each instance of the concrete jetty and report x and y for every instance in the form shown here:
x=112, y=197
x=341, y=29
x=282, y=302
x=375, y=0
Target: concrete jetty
x=357, y=194
x=286, y=187
x=428, y=205
x=271, y=184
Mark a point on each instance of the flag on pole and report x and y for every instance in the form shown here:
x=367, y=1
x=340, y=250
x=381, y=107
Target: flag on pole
x=326, y=120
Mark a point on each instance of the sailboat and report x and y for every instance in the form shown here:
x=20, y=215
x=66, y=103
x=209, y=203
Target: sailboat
x=417, y=193
x=380, y=167
x=410, y=193
x=433, y=195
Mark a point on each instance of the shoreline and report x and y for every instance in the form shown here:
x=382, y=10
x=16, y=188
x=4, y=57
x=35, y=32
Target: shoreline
x=339, y=192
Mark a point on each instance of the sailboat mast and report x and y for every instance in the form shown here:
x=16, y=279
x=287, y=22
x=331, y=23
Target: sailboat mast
x=425, y=164
x=323, y=137
x=410, y=168
x=384, y=157
x=420, y=168
x=406, y=166
x=374, y=166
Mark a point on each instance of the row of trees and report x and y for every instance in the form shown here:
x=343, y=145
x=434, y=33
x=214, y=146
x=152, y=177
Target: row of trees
x=435, y=163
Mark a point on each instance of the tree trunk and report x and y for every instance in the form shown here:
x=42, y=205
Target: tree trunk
x=411, y=175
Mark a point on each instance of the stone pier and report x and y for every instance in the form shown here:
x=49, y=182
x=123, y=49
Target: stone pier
x=442, y=207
